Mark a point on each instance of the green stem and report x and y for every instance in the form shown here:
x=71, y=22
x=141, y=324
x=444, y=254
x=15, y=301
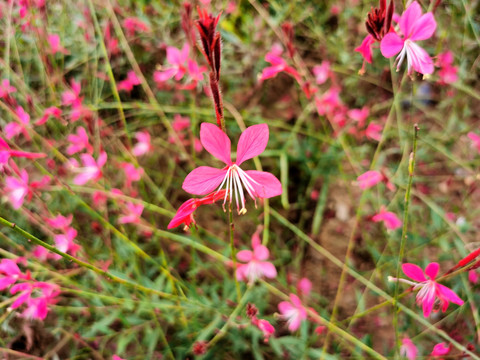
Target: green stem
x=232, y=247
x=411, y=166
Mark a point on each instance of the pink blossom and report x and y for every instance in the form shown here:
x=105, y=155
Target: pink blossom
x=64, y=242
x=51, y=111
x=258, y=184
x=60, y=222
x=133, y=212
x=79, y=142
x=185, y=212
x=16, y=128
x=116, y=357
x=359, y=115
x=429, y=289
x=408, y=349
x=369, y=179
x=278, y=65
x=111, y=43
x=440, y=349
x=41, y=253
x=17, y=189
x=293, y=312
x=128, y=84
x=91, y=170
x=365, y=49
x=448, y=74
x=475, y=139
x=143, y=145
x=69, y=97
x=133, y=25
x=329, y=101
x=265, y=327
x=55, y=46
x=6, y=153
x=176, y=58
x=9, y=273
x=390, y=220
x=257, y=267
x=414, y=27
x=473, y=276
x=322, y=72
x=374, y=131
x=6, y=88
x=132, y=174
x=304, y=287
x=37, y=307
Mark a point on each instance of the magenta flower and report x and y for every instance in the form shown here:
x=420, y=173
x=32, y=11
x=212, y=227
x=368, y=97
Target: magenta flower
x=51, y=111
x=16, y=128
x=91, y=170
x=322, y=72
x=176, y=58
x=294, y=312
x=429, y=289
x=55, y=46
x=17, y=189
x=278, y=65
x=132, y=173
x=10, y=273
x=132, y=214
x=133, y=25
x=37, y=307
x=6, y=88
x=257, y=267
x=414, y=27
x=64, y=242
x=369, y=179
x=128, y=84
x=143, y=145
x=440, y=349
x=258, y=184
x=408, y=349
x=185, y=212
x=448, y=74
x=365, y=49
x=70, y=97
x=475, y=139
x=79, y=142
x=6, y=153
x=389, y=218
x=265, y=327
x=374, y=131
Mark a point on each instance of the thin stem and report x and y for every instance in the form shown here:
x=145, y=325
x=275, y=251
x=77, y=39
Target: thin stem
x=411, y=166
x=233, y=251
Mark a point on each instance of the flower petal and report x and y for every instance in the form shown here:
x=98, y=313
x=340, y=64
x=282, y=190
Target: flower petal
x=253, y=142
x=432, y=270
x=261, y=252
x=244, y=255
x=414, y=272
x=216, y=142
x=424, y=27
x=391, y=45
x=266, y=185
x=419, y=58
x=409, y=18
x=428, y=301
x=203, y=180
x=449, y=294
x=268, y=269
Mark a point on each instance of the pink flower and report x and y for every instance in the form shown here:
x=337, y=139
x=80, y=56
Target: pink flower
x=51, y=111
x=294, y=312
x=265, y=327
x=6, y=153
x=359, y=115
x=129, y=82
x=408, y=349
x=374, y=131
x=440, y=349
x=322, y=72
x=6, y=88
x=390, y=220
x=133, y=25
x=475, y=139
x=116, y=357
x=365, y=49
x=329, y=102
x=69, y=97
x=143, y=145
x=64, y=242
x=185, y=212
x=278, y=65
x=429, y=289
x=15, y=128
x=60, y=222
x=17, y=189
x=132, y=214
x=131, y=173
x=176, y=58
x=37, y=307
x=257, y=267
x=258, y=184
x=304, y=287
x=473, y=276
x=79, y=142
x=91, y=170
x=55, y=46
x=9, y=273
x=369, y=179
x=414, y=27
x=448, y=74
